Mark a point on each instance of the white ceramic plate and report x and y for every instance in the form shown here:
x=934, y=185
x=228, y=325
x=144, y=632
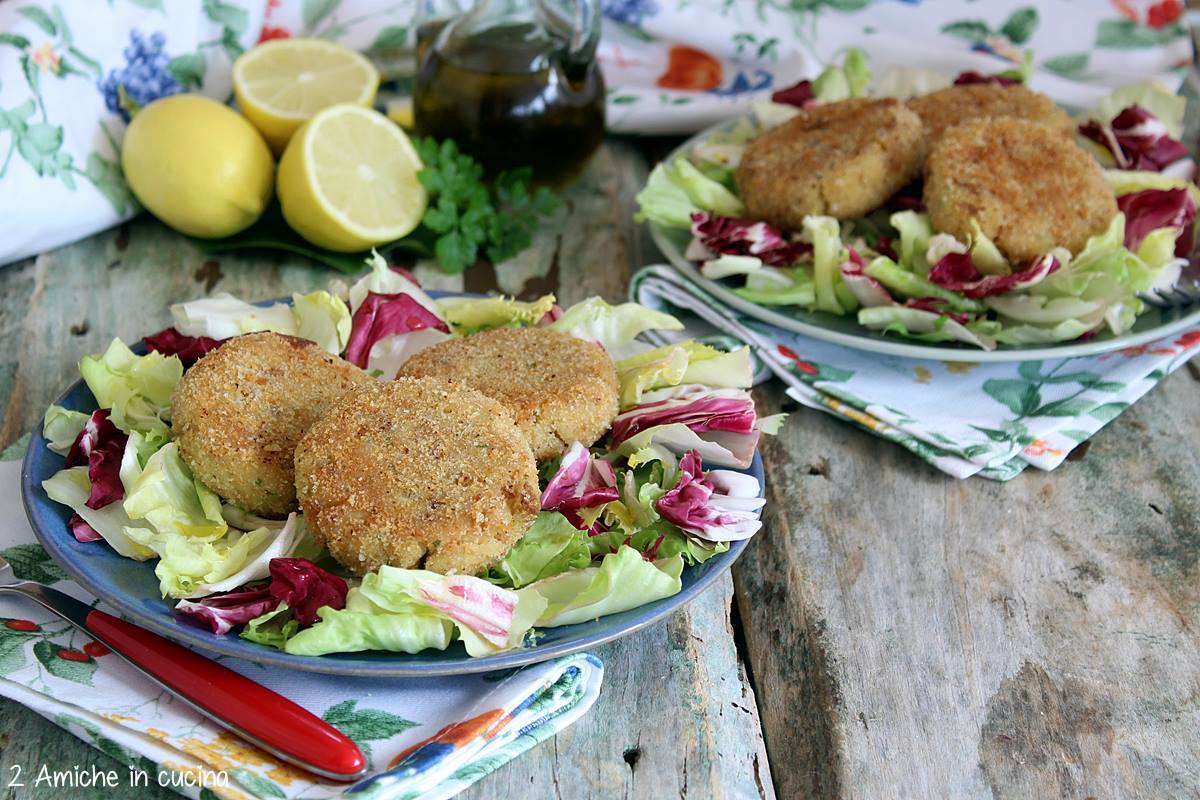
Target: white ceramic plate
x=1151, y=325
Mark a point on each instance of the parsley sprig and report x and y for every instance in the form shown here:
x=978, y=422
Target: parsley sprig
x=469, y=216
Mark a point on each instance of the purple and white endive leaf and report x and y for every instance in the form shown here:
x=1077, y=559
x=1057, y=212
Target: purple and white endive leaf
x=582, y=481
x=716, y=506
x=221, y=613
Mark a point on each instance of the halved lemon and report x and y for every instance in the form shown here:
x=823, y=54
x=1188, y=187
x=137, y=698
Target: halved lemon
x=348, y=180
x=282, y=83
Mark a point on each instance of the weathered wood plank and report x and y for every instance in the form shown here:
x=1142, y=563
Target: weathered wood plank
x=677, y=715
x=916, y=636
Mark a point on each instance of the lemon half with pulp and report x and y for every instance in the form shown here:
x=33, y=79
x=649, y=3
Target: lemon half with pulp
x=348, y=180
x=282, y=83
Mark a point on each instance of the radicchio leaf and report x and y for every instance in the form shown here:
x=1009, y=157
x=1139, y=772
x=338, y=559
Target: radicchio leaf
x=1151, y=209
x=101, y=446
x=956, y=271
x=582, y=481
x=799, y=94
x=971, y=77
x=305, y=587
x=190, y=349
x=697, y=407
x=221, y=613
x=481, y=606
x=82, y=531
x=383, y=315
x=740, y=237
x=1136, y=139
x=717, y=506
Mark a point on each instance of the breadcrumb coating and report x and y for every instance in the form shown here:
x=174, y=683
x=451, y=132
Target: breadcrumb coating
x=417, y=472
x=238, y=413
x=942, y=110
x=1029, y=187
x=559, y=389
x=842, y=159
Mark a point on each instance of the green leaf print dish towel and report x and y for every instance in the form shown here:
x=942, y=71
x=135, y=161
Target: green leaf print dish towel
x=425, y=739
x=991, y=420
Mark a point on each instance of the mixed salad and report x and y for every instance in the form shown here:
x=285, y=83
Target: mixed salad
x=619, y=521
x=899, y=275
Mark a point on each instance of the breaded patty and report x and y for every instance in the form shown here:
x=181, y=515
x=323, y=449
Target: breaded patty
x=941, y=110
x=239, y=412
x=843, y=159
x=1029, y=187
x=560, y=389
x=417, y=472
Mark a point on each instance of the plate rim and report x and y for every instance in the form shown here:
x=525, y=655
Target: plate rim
x=33, y=498
x=874, y=342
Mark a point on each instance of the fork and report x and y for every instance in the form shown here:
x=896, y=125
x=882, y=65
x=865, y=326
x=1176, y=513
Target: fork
x=1172, y=297
x=1184, y=292
x=233, y=701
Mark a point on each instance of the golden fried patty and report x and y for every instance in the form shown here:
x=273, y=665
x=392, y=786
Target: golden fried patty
x=560, y=389
x=239, y=411
x=1029, y=187
x=941, y=110
x=843, y=159
x=417, y=472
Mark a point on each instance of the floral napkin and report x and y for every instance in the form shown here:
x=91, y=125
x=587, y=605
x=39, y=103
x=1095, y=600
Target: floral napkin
x=424, y=738
x=965, y=418
x=675, y=66
x=672, y=66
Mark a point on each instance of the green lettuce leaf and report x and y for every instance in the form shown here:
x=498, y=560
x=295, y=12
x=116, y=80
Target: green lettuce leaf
x=187, y=563
x=273, y=628
x=615, y=327
x=171, y=500
x=1103, y=272
x=1065, y=331
x=468, y=315
x=364, y=626
x=915, y=232
x=986, y=257
x=137, y=390
x=71, y=487
x=409, y=610
x=665, y=539
x=323, y=318
x=552, y=545
x=839, y=82
x=675, y=191
x=688, y=361
x=925, y=326
x=624, y=580
x=1158, y=248
x=828, y=254
x=802, y=291
x=61, y=427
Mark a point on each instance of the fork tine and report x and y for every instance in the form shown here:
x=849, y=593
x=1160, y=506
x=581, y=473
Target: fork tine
x=1155, y=299
x=1181, y=296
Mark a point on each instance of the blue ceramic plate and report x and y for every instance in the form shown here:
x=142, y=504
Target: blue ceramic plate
x=132, y=589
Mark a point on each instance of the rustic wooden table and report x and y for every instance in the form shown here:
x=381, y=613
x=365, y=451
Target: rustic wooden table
x=892, y=632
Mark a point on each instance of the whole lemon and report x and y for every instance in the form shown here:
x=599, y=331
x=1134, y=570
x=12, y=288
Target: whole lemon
x=198, y=165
